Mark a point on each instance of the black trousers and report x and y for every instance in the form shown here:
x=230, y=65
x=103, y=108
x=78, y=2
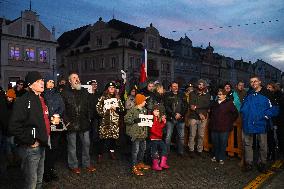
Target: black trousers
x=51, y=154
x=108, y=143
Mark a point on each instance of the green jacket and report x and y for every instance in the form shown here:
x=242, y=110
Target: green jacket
x=132, y=129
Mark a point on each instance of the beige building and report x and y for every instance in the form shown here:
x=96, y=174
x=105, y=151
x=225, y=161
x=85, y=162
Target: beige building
x=102, y=50
x=26, y=45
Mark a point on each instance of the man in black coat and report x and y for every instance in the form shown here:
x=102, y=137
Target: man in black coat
x=77, y=120
x=175, y=111
x=30, y=125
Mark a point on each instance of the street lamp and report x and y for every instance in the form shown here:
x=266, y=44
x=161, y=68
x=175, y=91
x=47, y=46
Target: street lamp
x=53, y=67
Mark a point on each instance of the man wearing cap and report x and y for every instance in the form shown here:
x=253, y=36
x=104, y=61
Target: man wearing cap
x=30, y=125
x=199, y=105
x=77, y=121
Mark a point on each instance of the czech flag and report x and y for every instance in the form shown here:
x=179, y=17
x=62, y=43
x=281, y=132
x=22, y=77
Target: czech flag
x=143, y=68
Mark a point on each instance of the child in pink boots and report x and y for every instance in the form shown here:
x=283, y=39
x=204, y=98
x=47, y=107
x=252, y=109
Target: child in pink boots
x=157, y=143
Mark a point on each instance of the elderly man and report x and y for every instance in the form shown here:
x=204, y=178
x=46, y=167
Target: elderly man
x=77, y=120
x=257, y=109
x=30, y=125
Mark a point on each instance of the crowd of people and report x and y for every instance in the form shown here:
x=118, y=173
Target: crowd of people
x=36, y=116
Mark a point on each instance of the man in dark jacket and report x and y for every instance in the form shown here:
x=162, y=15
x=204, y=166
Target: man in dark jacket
x=30, y=125
x=175, y=111
x=258, y=107
x=199, y=105
x=77, y=120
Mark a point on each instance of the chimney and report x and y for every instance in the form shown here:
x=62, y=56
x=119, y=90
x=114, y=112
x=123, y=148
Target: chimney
x=53, y=31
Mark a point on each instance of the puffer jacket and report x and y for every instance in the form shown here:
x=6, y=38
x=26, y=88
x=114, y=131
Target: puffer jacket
x=257, y=109
x=77, y=109
x=132, y=128
x=54, y=102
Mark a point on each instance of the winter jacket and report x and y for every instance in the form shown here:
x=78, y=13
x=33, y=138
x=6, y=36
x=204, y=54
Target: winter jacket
x=256, y=109
x=174, y=103
x=27, y=121
x=109, y=127
x=77, y=109
x=223, y=116
x=233, y=95
x=156, y=131
x=54, y=102
x=6, y=109
x=132, y=128
x=202, y=103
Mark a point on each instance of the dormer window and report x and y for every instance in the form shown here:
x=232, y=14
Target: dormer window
x=99, y=42
x=30, y=30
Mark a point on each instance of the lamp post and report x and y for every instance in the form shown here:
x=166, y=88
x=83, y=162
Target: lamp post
x=53, y=67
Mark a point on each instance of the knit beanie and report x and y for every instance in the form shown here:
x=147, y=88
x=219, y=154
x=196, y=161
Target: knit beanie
x=32, y=77
x=11, y=93
x=139, y=99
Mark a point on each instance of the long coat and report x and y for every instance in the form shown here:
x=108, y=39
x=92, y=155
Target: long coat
x=109, y=126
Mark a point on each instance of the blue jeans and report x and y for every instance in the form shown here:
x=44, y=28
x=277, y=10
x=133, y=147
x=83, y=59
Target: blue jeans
x=157, y=145
x=138, y=150
x=32, y=165
x=180, y=135
x=220, y=141
x=71, y=148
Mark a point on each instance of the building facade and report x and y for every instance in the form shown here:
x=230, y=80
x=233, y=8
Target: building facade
x=26, y=45
x=102, y=50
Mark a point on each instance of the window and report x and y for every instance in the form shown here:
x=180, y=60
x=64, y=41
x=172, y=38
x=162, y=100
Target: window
x=30, y=54
x=85, y=65
x=113, y=62
x=93, y=65
x=102, y=63
x=137, y=64
x=30, y=30
x=43, y=55
x=152, y=43
x=163, y=67
x=168, y=68
x=14, y=52
x=99, y=42
x=131, y=62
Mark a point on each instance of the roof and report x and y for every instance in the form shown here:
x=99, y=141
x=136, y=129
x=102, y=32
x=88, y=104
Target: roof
x=7, y=22
x=168, y=43
x=125, y=28
x=68, y=38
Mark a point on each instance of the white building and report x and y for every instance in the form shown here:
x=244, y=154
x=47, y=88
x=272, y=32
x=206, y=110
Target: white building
x=26, y=45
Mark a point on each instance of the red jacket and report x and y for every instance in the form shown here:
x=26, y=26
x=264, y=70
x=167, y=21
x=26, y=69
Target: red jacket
x=156, y=131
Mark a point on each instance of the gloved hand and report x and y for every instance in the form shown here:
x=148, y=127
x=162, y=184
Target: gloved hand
x=137, y=120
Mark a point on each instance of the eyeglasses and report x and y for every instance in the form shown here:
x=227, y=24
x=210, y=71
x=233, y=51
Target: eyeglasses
x=220, y=94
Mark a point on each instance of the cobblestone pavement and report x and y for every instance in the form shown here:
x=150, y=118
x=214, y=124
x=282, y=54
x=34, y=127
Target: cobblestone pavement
x=276, y=181
x=183, y=173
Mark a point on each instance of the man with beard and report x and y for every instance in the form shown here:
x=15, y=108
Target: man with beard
x=77, y=120
x=199, y=104
x=19, y=88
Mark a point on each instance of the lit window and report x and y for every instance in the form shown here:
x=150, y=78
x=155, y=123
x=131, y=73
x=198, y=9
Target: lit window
x=43, y=56
x=30, y=54
x=14, y=53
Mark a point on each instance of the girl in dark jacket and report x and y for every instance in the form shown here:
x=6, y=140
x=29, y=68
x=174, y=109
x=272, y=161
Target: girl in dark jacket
x=223, y=115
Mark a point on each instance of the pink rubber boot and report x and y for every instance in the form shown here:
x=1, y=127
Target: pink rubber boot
x=155, y=165
x=163, y=163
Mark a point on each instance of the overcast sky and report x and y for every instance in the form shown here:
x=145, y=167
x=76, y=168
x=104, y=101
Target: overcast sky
x=239, y=28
